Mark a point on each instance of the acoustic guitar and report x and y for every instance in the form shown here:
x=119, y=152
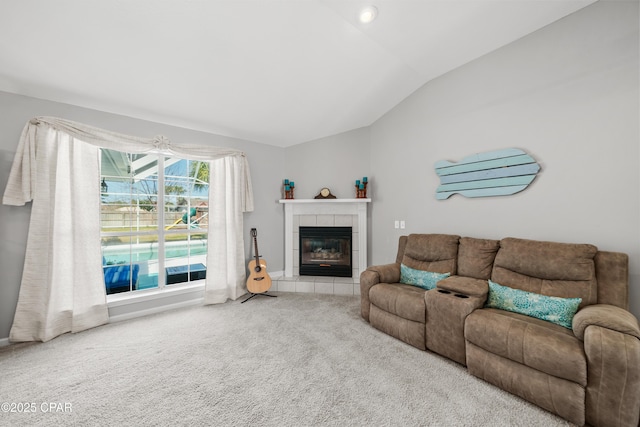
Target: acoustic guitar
x=259, y=280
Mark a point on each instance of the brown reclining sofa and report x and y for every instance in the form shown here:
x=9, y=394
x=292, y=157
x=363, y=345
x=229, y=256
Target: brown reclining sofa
x=586, y=374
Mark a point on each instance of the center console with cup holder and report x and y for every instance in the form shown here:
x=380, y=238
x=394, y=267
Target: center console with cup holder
x=447, y=307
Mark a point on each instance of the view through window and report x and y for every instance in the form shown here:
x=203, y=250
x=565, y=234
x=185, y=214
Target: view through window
x=154, y=220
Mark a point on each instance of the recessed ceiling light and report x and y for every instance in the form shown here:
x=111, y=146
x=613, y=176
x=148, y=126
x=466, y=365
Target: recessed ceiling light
x=368, y=14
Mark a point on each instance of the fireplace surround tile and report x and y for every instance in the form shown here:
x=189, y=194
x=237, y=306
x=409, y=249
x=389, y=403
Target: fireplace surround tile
x=355, y=263
x=305, y=286
x=308, y=220
x=345, y=220
x=323, y=287
x=325, y=220
x=284, y=285
x=342, y=288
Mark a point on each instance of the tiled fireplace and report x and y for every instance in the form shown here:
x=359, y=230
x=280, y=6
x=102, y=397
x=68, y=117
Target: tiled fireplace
x=333, y=213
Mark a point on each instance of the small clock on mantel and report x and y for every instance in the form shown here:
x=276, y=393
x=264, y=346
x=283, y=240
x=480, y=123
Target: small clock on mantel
x=325, y=193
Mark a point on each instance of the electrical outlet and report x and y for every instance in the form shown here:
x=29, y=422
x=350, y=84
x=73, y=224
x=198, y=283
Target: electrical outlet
x=402, y=224
x=397, y=224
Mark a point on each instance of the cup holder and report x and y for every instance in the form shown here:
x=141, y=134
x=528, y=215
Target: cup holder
x=444, y=291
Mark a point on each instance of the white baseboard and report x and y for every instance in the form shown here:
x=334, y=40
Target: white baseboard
x=4, y=342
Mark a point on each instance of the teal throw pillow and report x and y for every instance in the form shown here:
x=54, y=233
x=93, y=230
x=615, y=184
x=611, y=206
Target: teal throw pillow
x=552, y=309
x=420, y=278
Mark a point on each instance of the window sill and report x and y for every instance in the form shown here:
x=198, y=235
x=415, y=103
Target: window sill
x=128, y=298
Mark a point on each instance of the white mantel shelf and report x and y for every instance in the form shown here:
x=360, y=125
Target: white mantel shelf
x=321, y=208
x=325, y=200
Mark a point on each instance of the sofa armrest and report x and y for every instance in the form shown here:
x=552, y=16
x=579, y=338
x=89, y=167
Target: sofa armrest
x=388, y=273
x=605, y=316
x=612, y=346
x=465, y=285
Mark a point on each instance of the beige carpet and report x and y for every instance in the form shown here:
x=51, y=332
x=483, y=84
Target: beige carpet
x=295, y=360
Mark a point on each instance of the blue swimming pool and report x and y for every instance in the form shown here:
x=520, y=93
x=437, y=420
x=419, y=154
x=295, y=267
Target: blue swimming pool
x=141, y=252
x=135, y=267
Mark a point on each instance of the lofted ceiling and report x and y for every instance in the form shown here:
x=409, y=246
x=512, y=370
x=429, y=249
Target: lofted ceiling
x=278, y=72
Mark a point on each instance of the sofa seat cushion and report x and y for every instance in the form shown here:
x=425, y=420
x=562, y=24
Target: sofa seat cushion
x=402, y=300
x=535, y=343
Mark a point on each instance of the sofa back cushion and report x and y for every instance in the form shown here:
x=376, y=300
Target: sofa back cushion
x=556, y=269
x=476, y=256
x=432, y=252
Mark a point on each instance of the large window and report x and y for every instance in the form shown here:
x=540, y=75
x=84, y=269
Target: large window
x=154, y=219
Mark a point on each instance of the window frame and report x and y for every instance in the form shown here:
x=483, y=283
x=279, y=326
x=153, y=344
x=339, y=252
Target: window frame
x=160, y=232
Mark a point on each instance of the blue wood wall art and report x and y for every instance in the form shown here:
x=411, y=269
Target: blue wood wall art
x=494, y=173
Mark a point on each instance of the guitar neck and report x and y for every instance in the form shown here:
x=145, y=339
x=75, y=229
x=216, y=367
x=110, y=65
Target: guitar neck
x=254, y=233
x=255, y=249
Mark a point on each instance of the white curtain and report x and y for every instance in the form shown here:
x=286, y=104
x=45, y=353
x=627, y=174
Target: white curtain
x=57, y=167
x=225, y=228
x=62, y=284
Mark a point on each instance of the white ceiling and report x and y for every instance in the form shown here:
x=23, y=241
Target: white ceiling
x=279, y=72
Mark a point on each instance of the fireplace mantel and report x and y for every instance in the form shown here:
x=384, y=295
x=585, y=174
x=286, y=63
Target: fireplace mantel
x=298, y=201
x=325, y=212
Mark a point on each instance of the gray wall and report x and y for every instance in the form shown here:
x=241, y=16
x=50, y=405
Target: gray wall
x=266, y=163
x=335, y=162
x=568, y=95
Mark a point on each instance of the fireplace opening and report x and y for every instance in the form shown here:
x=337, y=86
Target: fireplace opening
x=325, y=251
